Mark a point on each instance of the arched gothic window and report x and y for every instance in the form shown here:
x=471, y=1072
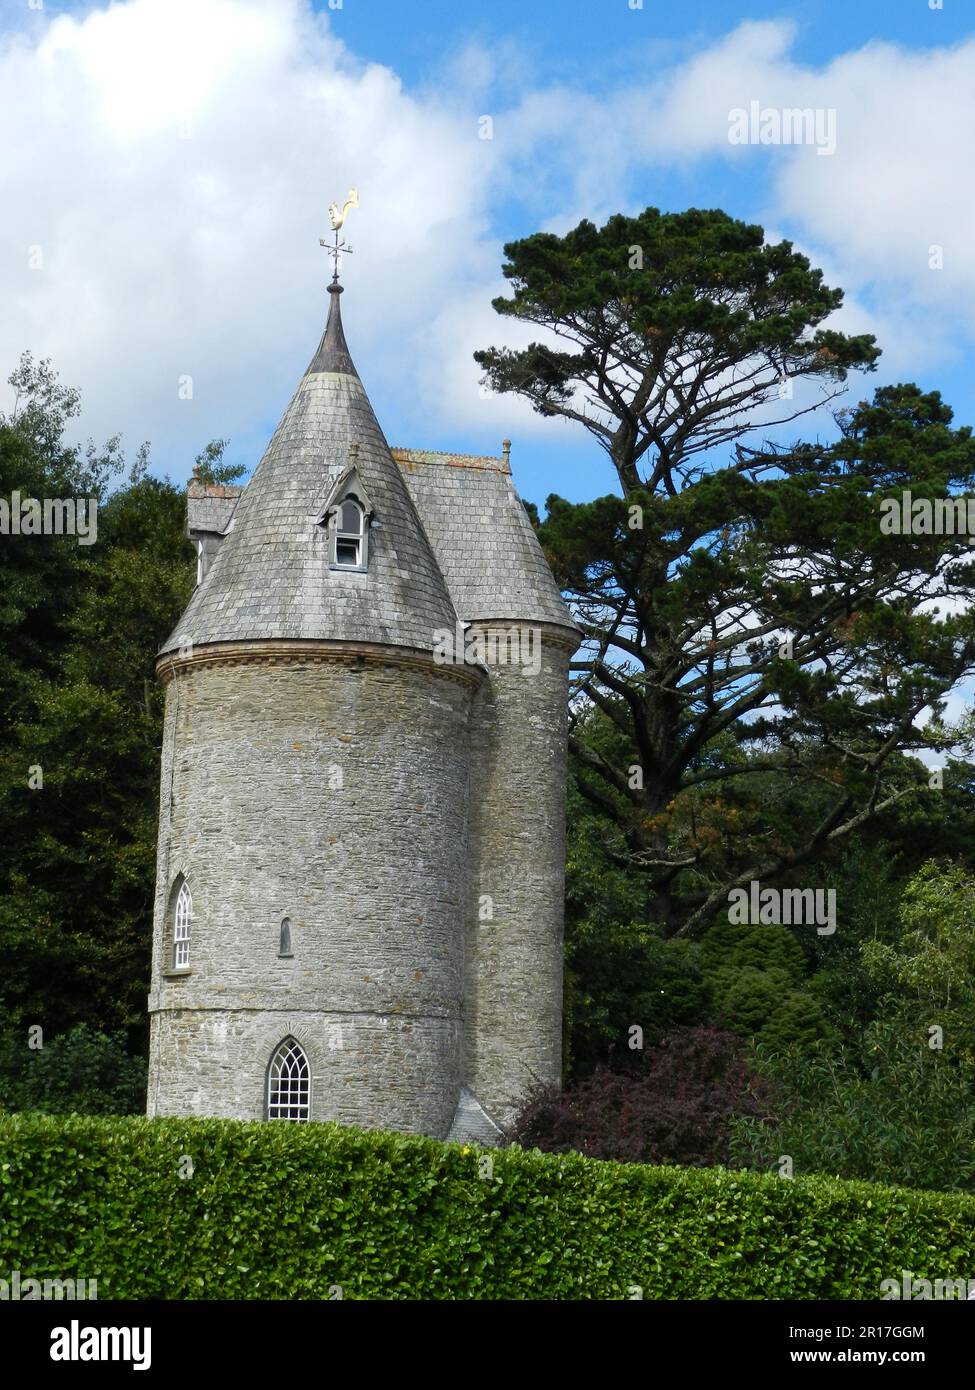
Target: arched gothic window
x=349, y=530
x=288, y=1083
x=182, y=920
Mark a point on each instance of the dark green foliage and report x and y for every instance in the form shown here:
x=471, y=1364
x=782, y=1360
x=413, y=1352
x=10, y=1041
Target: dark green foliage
x=38, y=574
x=796, y=1018
x=209, y=466
x=292, y=1211
x=757, y=976
x=81, y=1072
x=734, y=946
x=868, y=879
x=702, y=278
x=746, y=997
x=623, y=976
x=673, y=336
x=619, y=970
x=927, y=977
x=79, y=631
x=892, y=1110
x=938, y=825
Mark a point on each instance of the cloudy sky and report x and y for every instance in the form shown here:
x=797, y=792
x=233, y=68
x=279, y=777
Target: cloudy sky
x=166, y=166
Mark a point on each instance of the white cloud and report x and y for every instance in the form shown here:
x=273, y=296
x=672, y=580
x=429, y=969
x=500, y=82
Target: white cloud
x=172, y=162
x=893, y=189
x=173, y=159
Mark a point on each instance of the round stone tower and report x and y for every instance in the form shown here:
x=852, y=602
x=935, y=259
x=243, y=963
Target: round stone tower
x=308, y=959
x=358, y=909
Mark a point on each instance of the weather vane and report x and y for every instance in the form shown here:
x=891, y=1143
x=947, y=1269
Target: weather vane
x=337, y=216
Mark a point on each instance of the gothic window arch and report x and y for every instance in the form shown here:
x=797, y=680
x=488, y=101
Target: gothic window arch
x=288, y=1083
x=180, y=926
x=349, y=537
x=347, y=519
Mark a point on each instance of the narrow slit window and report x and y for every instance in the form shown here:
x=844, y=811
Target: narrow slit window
x=182, y=921
x=284, y=943
x=288, y=1083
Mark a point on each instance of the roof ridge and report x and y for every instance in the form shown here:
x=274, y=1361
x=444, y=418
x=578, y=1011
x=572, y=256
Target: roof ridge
x=196, y=488
x=492, y=462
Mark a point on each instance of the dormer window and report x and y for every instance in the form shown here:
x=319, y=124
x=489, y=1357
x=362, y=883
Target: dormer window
x=347, y=517
x=349, y=535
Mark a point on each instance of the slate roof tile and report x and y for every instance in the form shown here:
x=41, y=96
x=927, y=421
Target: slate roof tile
x=451, y=540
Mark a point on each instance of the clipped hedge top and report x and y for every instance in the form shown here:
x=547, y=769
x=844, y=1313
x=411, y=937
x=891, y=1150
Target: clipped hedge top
x=224, y=1209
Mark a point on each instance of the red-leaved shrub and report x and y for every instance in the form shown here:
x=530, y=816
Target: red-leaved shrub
x=674, y=1107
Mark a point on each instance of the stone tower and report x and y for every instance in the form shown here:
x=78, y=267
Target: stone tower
x=358, y=910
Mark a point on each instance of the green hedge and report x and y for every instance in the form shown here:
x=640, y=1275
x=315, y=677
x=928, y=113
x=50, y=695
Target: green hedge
x=282, y=1211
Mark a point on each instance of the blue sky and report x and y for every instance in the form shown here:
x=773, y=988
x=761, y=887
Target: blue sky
x=590, y=41
x=173, y=159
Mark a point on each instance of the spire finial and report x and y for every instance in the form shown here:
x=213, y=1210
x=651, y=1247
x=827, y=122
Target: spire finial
x=337, y=216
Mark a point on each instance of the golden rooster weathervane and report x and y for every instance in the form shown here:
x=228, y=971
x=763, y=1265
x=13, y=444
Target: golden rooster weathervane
x=337, y=216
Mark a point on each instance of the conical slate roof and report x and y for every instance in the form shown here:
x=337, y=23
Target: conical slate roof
x=271, y=576
x=483, y=539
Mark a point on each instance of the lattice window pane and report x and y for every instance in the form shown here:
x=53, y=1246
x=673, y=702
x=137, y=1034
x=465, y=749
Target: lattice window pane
x=288, y=1084
x=181, y=928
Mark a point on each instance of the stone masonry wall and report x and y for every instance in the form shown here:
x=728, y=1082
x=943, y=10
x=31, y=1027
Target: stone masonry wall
x=513, y=942
x=371, y=874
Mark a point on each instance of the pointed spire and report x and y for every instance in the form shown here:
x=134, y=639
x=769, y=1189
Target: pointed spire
x=333, y=351
x=272, y=577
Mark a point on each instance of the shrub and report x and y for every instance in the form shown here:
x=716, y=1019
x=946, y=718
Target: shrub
x=292, y=1211
x=80, y=1072
x=928, y=975
x=757, y=977
x=796, y=1019
x=673, y=1107
x=895, y=1111
x=745, y=997
x=761, y=946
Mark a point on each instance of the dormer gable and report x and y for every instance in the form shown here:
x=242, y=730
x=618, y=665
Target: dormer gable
x=347, y=517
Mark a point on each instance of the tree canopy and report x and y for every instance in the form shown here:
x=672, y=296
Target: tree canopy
x=81, y=720
x=754, y=641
